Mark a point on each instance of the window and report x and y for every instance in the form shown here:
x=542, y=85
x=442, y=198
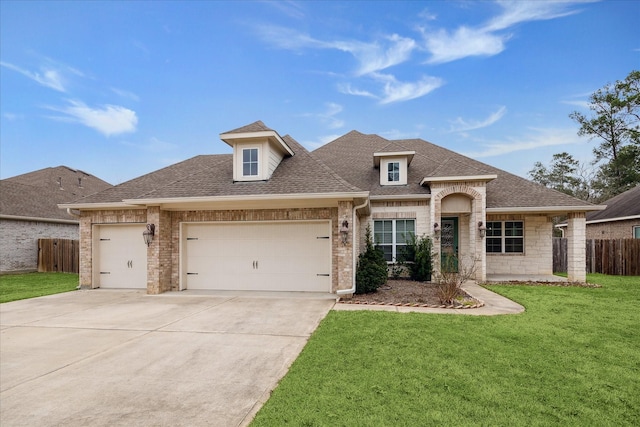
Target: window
x=636, y=232
x=393, y=171
x=504, y=237
x=250, y=162
x=391, y=236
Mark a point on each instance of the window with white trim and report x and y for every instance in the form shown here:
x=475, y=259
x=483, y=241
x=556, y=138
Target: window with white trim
x=636, y=231
x=392, y=235
x=250, y=162
x=505, y=237
x=393, y=171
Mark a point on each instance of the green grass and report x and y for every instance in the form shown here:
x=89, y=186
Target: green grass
x=15, y=287
x=572, y=359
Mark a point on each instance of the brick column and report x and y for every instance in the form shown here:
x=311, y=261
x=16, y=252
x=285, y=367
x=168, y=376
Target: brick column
x=86, y=256
x=344, y=252
x=576, y=250
x=159, y=252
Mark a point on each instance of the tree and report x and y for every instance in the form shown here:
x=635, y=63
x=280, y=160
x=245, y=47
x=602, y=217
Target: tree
x=615, y=122
x=371, y=271
x=565, y=174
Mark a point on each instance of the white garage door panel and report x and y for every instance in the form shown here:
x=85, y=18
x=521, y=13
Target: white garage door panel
x=293, y=256
x=121, y=257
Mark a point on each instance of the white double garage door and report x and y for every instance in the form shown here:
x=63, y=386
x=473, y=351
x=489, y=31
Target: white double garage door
x=255, y=256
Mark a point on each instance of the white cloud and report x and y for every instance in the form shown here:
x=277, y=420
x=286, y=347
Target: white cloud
x=395, y=90
x=462, y=125
x=107, y=119
x=537, y=139
x=487, y=39
x=464, y=42
x=48, y=77
x=390, y=51
x=374, y=56
x=329, y=115
x=348, y=90
x=517, y=11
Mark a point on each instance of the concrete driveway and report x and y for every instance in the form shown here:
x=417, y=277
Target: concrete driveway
x=106, y=358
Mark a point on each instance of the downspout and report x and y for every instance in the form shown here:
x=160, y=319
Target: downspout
x=73, y=214
x=353, y=250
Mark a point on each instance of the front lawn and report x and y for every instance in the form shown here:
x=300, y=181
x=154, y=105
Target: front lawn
x=573, y=358
x=14, y=287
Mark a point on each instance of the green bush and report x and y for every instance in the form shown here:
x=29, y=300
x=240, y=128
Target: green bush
x=371, y=271
x=418, y=258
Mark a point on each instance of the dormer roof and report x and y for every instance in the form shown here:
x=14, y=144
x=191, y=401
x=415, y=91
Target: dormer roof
x=256, y=130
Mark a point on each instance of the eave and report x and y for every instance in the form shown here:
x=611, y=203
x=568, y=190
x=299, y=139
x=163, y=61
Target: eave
x=408, y=154
x=546, y=209
x=38, y=219
x=271, y=135
x=458, y=178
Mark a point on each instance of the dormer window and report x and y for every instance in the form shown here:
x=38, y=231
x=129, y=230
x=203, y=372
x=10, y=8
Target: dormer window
x=393, y=171
x=257, y=152
x=394, y=166
x=250, y=162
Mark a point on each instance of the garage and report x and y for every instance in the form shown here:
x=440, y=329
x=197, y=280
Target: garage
x=121, y=256
x=257, y=256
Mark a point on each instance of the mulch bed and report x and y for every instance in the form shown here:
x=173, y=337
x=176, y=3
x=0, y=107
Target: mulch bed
x=408, y=293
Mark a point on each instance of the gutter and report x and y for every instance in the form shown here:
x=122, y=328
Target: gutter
x=547, y=209
x=36, y=219
x=72, y=213
x=351, y=291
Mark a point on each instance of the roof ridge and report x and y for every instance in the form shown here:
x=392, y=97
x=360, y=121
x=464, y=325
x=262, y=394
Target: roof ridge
x=323, y=165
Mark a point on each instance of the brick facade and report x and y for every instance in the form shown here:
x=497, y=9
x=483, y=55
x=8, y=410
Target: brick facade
x=19, y=242
x=612, y=229
x=163, y=255
x=538, y=251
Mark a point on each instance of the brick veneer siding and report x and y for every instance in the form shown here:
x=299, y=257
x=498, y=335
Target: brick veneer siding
x=538, y=248
x=612, y=229
x=470, y=244
x=19, y=242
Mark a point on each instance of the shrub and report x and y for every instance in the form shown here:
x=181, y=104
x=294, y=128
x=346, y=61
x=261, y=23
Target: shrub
x=418, y=258
x=371, y=271
x=453, y=273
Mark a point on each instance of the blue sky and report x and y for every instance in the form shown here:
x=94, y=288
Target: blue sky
x=119, y=89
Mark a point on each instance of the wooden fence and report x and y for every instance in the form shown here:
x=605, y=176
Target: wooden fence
x=620, y=257
x=59, y=255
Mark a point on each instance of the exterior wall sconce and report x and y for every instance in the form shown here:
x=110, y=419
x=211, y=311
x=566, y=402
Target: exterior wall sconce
x=344, y=232
x=436, y=230
x=148, y=234
x=482, y=229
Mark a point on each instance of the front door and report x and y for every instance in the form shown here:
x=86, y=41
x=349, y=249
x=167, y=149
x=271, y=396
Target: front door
x=449, y=244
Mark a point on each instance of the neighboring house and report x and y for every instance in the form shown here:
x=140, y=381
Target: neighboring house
x=273, y=216
x=29, y=211
x=620, y=220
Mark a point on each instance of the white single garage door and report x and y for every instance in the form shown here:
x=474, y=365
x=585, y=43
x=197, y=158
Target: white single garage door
x=265, y=256
x=120, y=256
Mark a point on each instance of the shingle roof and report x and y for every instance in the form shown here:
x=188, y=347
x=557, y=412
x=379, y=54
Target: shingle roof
x=351, y=157
x=253, y=127
x=344, y=165
x=212, y=176
x=622, y=205
x=37, y=194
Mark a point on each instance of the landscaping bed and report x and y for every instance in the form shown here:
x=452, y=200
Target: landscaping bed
x=413, y=294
